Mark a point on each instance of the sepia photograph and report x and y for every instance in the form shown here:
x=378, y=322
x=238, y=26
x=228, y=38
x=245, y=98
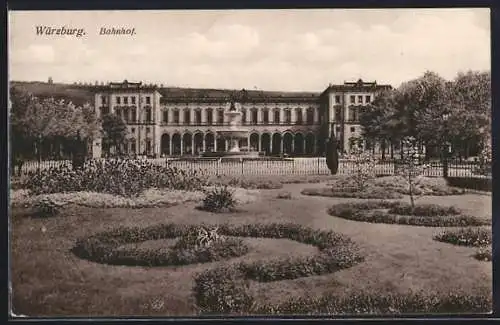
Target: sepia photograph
x=187, y=163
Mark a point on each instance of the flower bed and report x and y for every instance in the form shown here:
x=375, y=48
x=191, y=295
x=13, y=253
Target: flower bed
x=371, y=192
x=122, y=177
x=425, y=185
x=380, y=212
x=108, y=247
x=474, y=237
x=376, y=304
x=484, y=254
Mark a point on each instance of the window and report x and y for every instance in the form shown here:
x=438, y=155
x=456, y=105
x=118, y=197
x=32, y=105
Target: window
x=126, y=114
x=103, y=100
x=265, y=116
x=209, y=116
x=299, y=116
x=288, y=116
x=176, y=116
x=360, y=99
x=132, y=99
x=197, y=117
x=132, y=147
x=118, y=112
x=338, y=114
x=187, y=116
x=118, y=100
x=337, y=130
x=148, y=115
x=134, y=114
x=254, y=116
x=125, y=100
x=165, y=116
x=368, y=99
x=353, y=129
x=132, y=130
x=220, y=116
x=105, y=110
x=148, y=130
x=148, y=146
x=148, y=100
x=353, y=99
x=277, y=116
x=310, y=115
x=337, y=99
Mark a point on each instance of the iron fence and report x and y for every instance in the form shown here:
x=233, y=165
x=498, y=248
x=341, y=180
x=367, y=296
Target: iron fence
x=289, y=166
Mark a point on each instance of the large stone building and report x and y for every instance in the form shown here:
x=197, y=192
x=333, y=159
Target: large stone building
x=296, y=125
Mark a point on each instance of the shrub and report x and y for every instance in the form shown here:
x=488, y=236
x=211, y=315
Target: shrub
x=474, y=183
x=378, y=212
x=284, y=195
x=47, y=208
x=219, y=199
x=475, y=237
x=375, y=303
x=484, y=254
x=123, y=177
x=426, y=210
x=222, y=290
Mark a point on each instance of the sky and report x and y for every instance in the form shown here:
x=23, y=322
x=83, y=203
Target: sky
x=286, y=50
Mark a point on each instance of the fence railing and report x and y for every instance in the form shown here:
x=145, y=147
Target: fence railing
x=291, y=166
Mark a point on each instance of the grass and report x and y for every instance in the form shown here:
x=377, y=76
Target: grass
x=48, y=280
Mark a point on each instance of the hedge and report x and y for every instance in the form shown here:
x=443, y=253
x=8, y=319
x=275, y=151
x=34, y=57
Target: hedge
x=380, y=212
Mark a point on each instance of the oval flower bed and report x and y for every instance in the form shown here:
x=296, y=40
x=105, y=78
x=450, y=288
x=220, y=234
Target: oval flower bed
x=429, y=215
x=336, y=251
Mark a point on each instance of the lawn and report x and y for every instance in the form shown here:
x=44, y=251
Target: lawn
x=49, y=280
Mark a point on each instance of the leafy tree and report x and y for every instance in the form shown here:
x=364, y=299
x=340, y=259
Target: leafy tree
x=115, y=131
x=34, y=120
x=379, y=121
x=332, y=154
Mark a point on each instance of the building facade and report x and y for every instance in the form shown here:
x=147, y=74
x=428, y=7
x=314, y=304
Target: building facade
x=295, y=125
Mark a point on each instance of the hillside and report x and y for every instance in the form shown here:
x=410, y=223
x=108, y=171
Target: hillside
x=80, y=94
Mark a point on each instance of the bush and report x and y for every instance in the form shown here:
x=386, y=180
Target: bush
x=219, y=199
x=370, y=192
x=107, y=247
x=425, y=210
x=375, y=303
x=222, y=290
x=47, y=208
x=284, y=195
x=475, y=237
x=484, y=254
x=123, y=177
x=379, y=212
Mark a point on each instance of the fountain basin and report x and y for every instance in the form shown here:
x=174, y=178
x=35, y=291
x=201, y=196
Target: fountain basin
x=241, y=134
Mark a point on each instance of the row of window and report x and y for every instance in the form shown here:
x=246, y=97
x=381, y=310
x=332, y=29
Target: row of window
x=253, y=117
x=353, y=114
x=118, y=100
x=368, y=99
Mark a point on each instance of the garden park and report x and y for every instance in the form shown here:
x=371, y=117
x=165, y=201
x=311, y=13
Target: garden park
x=129, y=237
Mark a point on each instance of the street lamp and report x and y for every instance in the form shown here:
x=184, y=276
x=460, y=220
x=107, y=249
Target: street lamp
x=445, y=145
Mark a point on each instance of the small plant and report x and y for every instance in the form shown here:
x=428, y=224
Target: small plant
x=47, y=208
x=412, y=168
x=218, y=199
x=284, y=195
x=364, y=164
x=484, y=254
